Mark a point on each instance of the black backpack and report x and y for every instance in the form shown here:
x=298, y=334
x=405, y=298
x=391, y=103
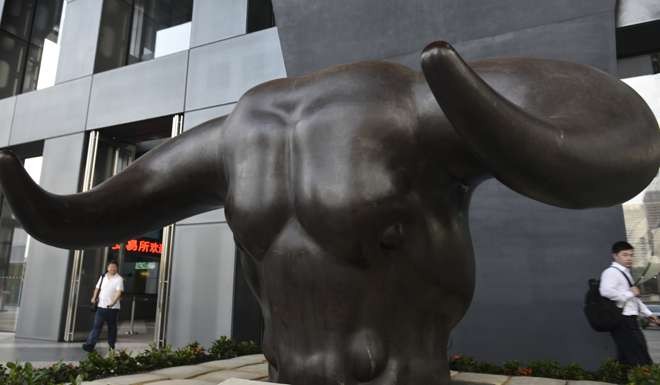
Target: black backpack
x=602, y=313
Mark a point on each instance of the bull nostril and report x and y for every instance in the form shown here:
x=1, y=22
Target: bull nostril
x=368, y=355
x=392, y=237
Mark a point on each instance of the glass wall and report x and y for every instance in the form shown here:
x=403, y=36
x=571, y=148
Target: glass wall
x=14, y=244
x=642, y=213
x=30, y=33
x=138, y=30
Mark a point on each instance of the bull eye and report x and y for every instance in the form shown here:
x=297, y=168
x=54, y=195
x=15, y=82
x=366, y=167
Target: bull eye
x=392, y=237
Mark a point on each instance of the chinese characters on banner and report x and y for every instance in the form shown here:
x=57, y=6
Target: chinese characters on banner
x=141, y=246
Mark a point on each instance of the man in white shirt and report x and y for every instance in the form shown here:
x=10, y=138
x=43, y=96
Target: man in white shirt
x=108, y=291
x=616, y=283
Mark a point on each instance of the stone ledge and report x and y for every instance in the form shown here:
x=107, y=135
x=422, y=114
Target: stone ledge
x=478, y=379
x=131, y=379
x=237, y=362
x=222, y=375
x=535, y=381
x=253, y=370
x=183, y=372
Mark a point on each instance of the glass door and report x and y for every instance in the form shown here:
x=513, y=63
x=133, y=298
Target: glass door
x=143, y=261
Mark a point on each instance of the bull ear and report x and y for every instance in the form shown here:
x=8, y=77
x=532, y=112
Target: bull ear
x=561, y=133
x=177, y=179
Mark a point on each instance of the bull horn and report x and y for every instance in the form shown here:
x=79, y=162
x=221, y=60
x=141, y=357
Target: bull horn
x=568, y=135
x=179, y=178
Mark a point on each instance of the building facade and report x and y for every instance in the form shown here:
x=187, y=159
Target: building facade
x=88, y=86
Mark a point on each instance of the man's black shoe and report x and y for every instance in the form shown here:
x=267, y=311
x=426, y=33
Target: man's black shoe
x=87, y=348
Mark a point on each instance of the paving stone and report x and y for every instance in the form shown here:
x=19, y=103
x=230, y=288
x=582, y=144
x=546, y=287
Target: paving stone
x=478, y=379
x=237, y=362
x=258, y=368
x=133, y=379
x=452, y=373
x=180, y=382
x=238, y=381
x=588, y=383
x=223, y=375
x=534, y=381
x=183, y=372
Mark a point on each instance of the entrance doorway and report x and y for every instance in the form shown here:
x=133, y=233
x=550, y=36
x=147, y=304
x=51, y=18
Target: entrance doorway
x=143, y=260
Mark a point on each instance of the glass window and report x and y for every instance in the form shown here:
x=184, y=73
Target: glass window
x=642, y=213
x=29, y=44
x=14, y=246
x=133, y=31
x=260, y=15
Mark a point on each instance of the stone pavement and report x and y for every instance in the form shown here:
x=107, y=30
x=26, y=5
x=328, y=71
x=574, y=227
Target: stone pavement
x=253, y=370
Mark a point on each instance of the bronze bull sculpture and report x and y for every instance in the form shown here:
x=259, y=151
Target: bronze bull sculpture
x=348, y=192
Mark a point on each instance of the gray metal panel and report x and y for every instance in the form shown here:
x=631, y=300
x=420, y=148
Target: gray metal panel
x=319, y=33
x=215, y=20
x=79, y=36
x=220, y=73
x=6, y=116
x=533, y=263
x=53, y=111
x=45, y=281
x=213, y=216
x=629, y=12
x=194, y=118
x=202, y=284
x=579, y=40
x=139, y=91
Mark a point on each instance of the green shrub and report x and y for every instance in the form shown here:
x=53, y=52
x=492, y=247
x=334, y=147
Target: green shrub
x=224, y=348
x=612, y=371
x=546, y=368
x=577, y=373
x=644, y=375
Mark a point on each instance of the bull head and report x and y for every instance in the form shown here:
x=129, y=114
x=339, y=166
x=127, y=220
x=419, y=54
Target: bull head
x=560, y=133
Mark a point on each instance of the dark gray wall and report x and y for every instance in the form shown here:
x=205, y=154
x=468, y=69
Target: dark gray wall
x=317, y=33
x=533, y=260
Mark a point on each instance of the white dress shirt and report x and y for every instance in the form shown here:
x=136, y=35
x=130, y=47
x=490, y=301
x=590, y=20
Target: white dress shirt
x=613, y=285
x=108, y=288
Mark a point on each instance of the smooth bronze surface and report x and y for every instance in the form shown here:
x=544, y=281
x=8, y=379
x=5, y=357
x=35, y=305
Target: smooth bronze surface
x=348, y=191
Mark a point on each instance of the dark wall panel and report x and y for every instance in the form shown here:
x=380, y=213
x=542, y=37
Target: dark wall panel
x=577, y=40
x=533, y=261
x=319, y=33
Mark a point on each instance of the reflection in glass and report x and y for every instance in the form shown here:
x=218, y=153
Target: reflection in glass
x=29, y=44
x=642, y=213
x=14, y=246
x=138, y=30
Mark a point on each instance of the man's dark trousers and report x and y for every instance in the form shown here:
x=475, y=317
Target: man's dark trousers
x=102, y=316
x=630, y=343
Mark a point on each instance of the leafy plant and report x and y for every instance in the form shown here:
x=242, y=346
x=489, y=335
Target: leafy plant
x=612, y=371
x=644, y=375
x=224, y=348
